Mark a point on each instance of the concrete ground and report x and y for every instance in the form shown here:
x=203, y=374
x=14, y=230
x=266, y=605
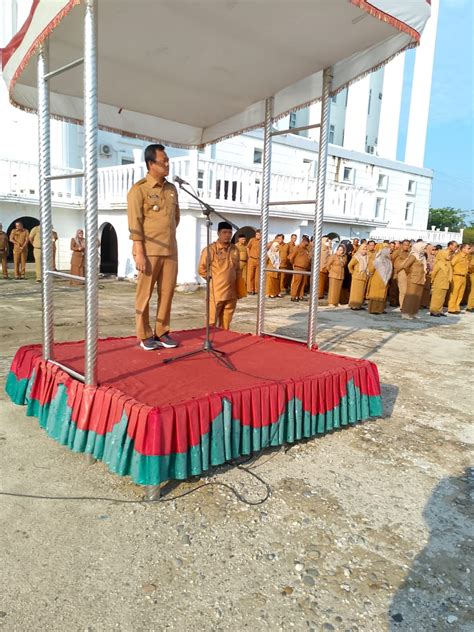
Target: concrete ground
x=367, y=529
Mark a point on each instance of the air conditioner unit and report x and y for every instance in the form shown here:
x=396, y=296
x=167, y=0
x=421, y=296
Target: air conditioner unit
x=105, y=150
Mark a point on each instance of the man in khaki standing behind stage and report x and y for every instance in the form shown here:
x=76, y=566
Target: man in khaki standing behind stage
x=253, y=267
x=19, y=238
x=153, y=215
x=4, y=252
x=35, y=241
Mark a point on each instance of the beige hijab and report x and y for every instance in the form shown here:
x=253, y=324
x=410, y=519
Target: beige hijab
x=417, y=250
x=363, y=260
x=80, y=241
x=274, y=254
x=383, y=264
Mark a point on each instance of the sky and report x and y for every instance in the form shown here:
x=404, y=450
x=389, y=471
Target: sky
x=450, y=137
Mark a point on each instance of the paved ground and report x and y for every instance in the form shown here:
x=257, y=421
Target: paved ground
x=369, y=529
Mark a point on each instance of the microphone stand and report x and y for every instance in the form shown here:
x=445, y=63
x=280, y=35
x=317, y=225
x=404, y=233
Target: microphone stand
x=207, y=347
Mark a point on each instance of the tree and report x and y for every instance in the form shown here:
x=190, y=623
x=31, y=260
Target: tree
x=452, y=218
x=468, y=236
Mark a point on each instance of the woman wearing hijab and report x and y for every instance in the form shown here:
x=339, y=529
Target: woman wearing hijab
x=273, y=278
x=382, y=268
x=78, y=246
x=323, y=271
x=336, y=265
x=358, y=268
x=346, y=283
x=441, y=277
x=415, y=267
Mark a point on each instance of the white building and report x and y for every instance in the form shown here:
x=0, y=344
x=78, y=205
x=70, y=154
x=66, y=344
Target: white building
x=368, y=192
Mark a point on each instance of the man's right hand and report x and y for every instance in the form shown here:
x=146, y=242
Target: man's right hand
x=140, y=262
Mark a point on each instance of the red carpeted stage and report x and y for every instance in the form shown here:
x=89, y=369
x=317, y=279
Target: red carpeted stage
x=156, y=421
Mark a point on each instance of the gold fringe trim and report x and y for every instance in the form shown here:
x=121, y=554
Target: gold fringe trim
x=387, y=18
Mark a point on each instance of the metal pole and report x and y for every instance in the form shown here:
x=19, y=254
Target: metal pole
x=266, y=181
x=319, y=208
x=90, y=190
x=44, y=142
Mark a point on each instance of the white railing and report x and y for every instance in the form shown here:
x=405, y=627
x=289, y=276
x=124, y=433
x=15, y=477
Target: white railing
x=435, y=236
x=220, y=183
x=20, y=180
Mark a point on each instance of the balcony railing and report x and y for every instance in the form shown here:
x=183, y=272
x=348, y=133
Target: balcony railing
x=222, y=184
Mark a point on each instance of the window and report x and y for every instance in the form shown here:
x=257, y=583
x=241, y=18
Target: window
x=334, y=98
x=292, y=120
x=127, y=161
x=370, y=100
x=382, y=182
x=200, y=179
x=348, y=174
x=332, y=131
x=411, y=187
x=409, y=209
x=380, y=95
x=380, y=208
x=257, y=156
x=202, y=150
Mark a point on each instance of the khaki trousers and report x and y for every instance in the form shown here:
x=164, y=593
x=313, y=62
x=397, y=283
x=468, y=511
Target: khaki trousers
x=221, y=313
x=252, y=274
x=412, y=300
x=37, y=256
x=3, y=256
x=161, y=272
x=19, y=263
x=437, y=300
x=298, y=284
x=458, y=285
x=393, y=293
x=402, y=286
x=323, y=283
x=334, y=292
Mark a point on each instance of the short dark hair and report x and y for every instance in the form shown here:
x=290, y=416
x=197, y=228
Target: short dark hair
x=150, y=153
x=452, y=242
x=258, y=231
x=293, y=235
x=439, y=247
x=406, y=241
x=371, y=241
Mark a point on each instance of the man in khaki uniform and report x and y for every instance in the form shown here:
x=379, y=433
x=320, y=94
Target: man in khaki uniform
x=301, y=260
x=153, y=215
x=241, y=246
x=35, y=241
x=225, y=274
x=253, y=267
x=4, y=252
x=460, y=264
x=19, y=238
x=401, y=275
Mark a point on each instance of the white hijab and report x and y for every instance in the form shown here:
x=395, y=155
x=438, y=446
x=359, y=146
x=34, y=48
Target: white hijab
x=418, y=251
x=383, y=264
x=274, y=254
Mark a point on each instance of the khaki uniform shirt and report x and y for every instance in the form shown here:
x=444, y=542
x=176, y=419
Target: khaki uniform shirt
x=35, y=237
x=153, y=215
x=253, y=248
x=335, y=266
x=243, y=254
x=19, y=239
x=460, y=263
x=415, y=270
x=284, y=253
x=3, y=242
x=300, y=257
x=225, y=271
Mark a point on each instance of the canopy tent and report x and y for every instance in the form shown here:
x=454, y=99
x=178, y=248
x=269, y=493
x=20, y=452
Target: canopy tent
x=191, y=72
x=187, y=73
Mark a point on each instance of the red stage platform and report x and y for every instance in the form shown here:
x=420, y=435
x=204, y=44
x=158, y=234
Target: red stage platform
x=156, y=421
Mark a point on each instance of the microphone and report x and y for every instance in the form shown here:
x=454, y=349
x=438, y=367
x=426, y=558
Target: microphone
x=180, y=181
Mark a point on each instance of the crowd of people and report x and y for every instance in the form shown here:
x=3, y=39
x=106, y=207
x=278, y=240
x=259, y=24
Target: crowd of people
x=409, y=275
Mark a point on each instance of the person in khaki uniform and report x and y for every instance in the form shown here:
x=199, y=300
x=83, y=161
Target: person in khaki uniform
x=253, y=267
x=4, y=249
x=470, y=296
x=272, y=279
x=153, y=215
x=225, y=274
x=460, y=263
x=335, y=265
x=359, y=269
x=393, y=289
x=19, y=238
x=35, y=241
x=371, y=253
x=285, y=280
x=381, y=274
x=323, y=271
x=401, y=275
x=300, y=260
x=241, y=246
x=415, y=267
x=441, y=277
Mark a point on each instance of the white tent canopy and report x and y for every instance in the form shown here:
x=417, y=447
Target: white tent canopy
x=191, y=72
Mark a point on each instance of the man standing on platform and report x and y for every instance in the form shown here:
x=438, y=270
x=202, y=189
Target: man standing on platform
x=19, y=238
x=253, y=266
x=4, y=252
x=225, y=275
x=35, y=241
x=153, y=215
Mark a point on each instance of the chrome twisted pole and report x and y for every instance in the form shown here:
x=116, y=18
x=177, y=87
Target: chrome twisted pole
x=44, y=142
x=266, y=182
x=90, y=191
x=319, y=207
